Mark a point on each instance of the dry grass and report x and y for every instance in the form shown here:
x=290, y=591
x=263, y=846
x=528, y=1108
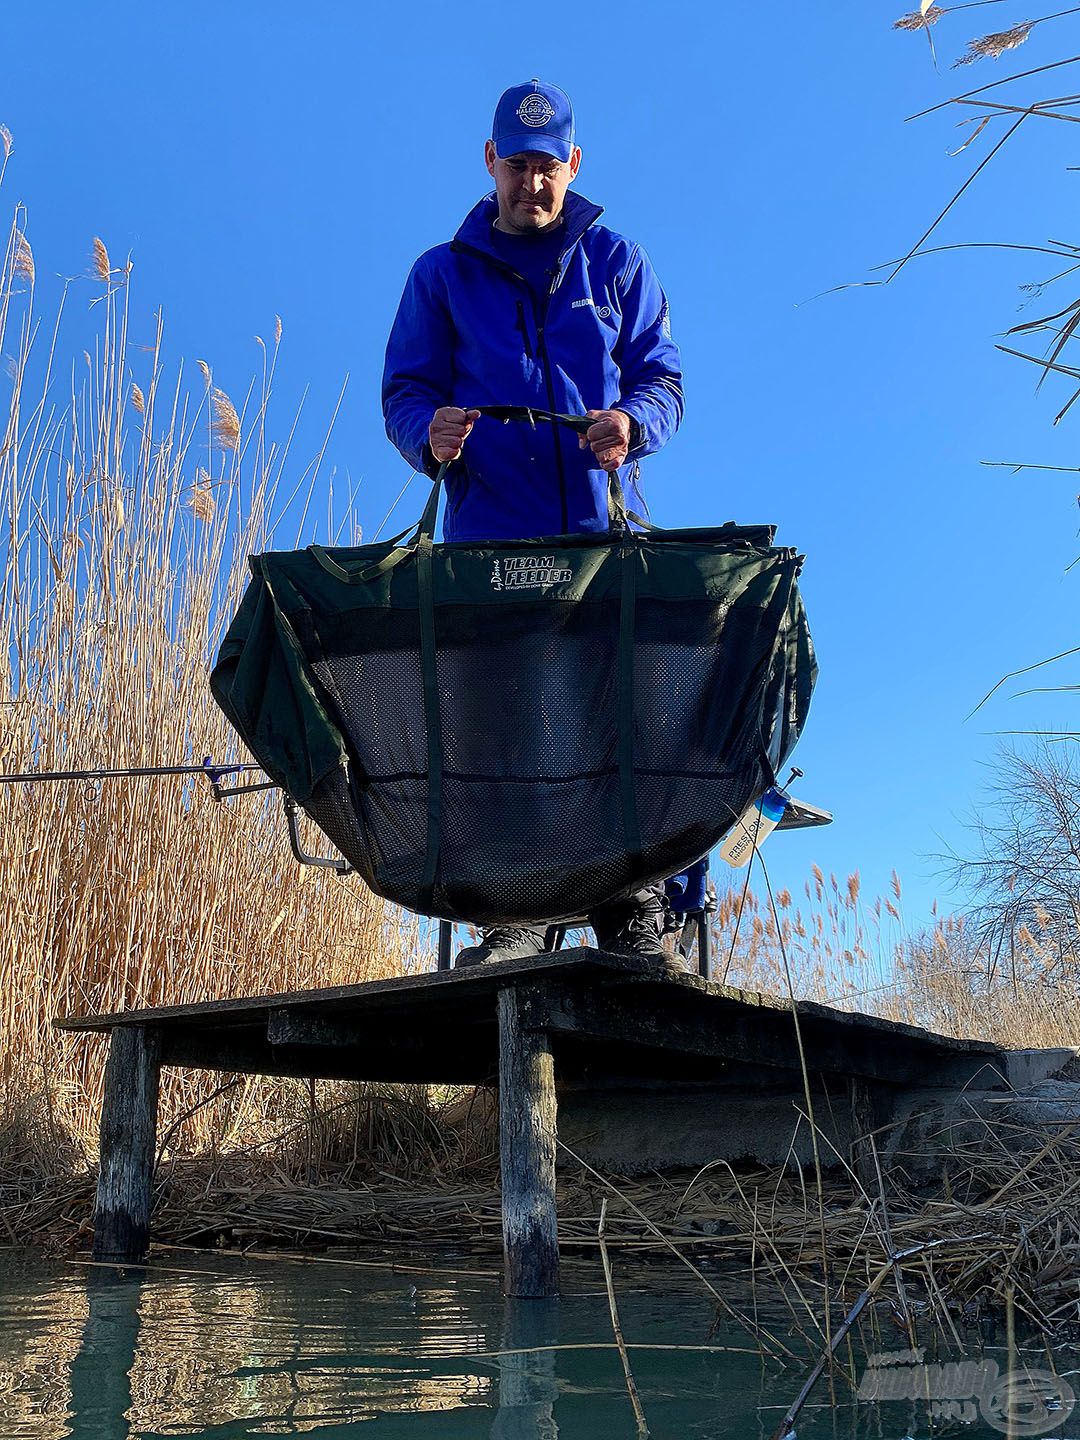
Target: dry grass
x=842, y=950
x=124, y=529
x=384, y=1170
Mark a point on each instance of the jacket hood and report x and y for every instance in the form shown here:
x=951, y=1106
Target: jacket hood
x=475, y=229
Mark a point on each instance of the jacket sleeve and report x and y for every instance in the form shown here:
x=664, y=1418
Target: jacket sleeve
x=649, y=361
x=418, y=373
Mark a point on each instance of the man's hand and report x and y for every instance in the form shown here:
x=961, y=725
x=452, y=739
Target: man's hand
x=449, y=430
x=608, y=437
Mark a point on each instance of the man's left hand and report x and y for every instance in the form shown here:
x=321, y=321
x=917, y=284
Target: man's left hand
x=608, y=437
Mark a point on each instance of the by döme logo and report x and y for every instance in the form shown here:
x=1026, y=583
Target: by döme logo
x=535, y=110
x=528, y=572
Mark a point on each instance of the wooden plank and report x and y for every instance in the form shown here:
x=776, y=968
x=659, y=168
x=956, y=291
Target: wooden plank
x=287, y=1027
x=469, y=990
x=432, y=988
x=617, y=1015
x=727, y=1030
x=128, y=1139
x=527, y=1127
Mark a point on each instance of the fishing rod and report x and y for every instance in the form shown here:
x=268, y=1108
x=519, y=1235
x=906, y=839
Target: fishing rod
x=214, y=773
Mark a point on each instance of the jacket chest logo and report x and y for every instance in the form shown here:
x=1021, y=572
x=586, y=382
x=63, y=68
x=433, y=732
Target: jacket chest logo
x=603, y=311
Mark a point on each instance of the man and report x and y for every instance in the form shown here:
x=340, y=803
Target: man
x=535, y=303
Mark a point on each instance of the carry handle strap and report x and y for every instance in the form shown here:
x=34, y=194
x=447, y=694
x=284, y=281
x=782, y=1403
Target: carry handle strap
x=424, y=530
x=618, y=514
x=577, y=423
x=431, y=509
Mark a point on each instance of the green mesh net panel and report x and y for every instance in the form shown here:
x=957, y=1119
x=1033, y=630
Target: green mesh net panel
x=521, y=731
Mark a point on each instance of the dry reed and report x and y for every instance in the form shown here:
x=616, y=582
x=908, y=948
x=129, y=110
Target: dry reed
x=857, y=955
x=394, y=1174
x=124, y=531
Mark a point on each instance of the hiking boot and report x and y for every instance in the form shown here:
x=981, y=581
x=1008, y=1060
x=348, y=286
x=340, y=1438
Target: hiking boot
x=504, y=942
x=634, y=926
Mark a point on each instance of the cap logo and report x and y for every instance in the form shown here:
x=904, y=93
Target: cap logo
x=535, y=110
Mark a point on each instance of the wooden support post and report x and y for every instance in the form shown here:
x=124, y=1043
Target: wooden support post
x=127, y=1144
x=527, y=1120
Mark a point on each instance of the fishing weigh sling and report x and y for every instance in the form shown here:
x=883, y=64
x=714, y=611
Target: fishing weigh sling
x=519, y=731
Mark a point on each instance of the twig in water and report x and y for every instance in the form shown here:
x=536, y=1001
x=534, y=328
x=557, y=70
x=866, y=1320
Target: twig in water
x=784, y=1430
x=631, y=1388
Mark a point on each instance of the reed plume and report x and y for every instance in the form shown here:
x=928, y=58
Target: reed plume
x=919, y=19
x=23, y=263
x=226, y=422
x=993, y=46
x=100, y=260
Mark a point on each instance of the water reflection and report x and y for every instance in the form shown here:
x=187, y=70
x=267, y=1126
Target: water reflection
x=294, y=1353
x=224, y=1348
x=38, y=1346
x=101, y=1371
x=527, y=1388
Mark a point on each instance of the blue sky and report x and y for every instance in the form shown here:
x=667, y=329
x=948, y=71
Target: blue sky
x=262, y=159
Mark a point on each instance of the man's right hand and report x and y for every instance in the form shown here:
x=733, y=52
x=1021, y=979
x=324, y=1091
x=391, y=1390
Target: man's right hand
x=449, y=430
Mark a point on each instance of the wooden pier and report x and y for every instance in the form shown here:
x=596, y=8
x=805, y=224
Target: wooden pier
x=575, y=1022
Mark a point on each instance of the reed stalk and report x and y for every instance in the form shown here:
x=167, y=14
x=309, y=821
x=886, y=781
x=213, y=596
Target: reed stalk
x=129, y=501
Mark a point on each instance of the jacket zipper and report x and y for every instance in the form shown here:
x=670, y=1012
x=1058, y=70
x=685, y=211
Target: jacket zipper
x=524, y=331
x=541, y=347
x=540, y=316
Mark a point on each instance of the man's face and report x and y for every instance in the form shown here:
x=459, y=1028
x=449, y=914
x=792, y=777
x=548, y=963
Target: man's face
x=531, y=187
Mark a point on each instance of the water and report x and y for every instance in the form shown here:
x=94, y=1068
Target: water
x=219, y=1347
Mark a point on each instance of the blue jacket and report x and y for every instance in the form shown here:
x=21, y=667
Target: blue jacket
x=468, y=332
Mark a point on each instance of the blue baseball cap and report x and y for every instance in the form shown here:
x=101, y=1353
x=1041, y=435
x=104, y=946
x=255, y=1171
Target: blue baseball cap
x=534, y=117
